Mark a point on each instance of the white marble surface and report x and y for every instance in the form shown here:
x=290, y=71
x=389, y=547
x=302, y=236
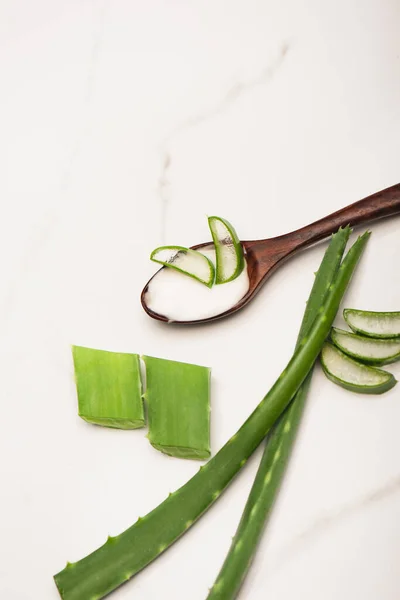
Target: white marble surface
x=122, y=124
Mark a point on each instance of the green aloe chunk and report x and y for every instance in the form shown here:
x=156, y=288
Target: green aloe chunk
x=178, y=401
x=278, y=447
x=228, y=250
x=186, y=261
x=109, y=388
x=373, y=351
x=124, y=555
x=353, y=375
x=373, y=324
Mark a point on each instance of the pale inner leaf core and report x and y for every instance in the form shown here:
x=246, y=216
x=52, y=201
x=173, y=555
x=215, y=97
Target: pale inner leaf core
x=229, y=261
x=382, y=325
x=192, y=262
x=347, y=370
x=368, y=348
x=182, y=298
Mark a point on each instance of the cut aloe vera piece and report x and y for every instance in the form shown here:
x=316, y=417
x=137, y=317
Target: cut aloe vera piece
x=228, y=250
x=178, y=401
x=109, y=388
x=369, y=350
x=187, y=261
x=353, y=375
x=373, y=324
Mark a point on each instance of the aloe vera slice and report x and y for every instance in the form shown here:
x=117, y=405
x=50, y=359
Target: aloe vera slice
x=373, y=351
x=186, y=261
x=373, y=324
x=228, y=250
x=353, y=375
x=109, y=388
x=178, y=400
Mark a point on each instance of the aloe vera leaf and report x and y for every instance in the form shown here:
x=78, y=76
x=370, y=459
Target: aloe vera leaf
x=124, y=555
x=109, y=388
x=186, y=261
x=228, y=250
x=373, y=324
x=178, y=402
x=373, y=351
x=353, y=375
x=279, y=445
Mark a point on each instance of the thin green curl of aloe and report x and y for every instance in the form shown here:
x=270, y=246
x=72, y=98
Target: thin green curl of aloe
x=229, y=256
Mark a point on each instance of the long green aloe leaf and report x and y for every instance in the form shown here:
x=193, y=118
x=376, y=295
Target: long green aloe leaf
x=121, y=557
x=278, y=446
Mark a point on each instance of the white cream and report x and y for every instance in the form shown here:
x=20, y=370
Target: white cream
x=181, y=298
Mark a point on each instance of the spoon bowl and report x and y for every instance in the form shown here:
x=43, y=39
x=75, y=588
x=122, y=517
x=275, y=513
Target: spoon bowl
x=263, y=257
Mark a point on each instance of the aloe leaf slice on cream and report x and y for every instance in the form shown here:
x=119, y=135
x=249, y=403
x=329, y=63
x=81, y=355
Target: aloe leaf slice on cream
x=374, y=351
x=187, y=261
x=353, y=375
x=228, y=250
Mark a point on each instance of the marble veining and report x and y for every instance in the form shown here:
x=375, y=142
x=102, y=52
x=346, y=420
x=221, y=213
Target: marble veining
x=230, y=97
x=53, y=214
x=322, y=525
x=122, y=125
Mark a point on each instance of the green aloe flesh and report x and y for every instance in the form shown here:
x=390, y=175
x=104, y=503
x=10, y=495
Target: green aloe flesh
x=373, y=324
x=228, y=250
x=372, y=351
x=178, y=403
x=121, y=557
x=109, y=388
x=186, y=261
x=278, y=447
x=353, y=375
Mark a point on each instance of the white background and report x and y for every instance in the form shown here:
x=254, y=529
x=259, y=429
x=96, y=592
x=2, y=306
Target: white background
x=122, y=125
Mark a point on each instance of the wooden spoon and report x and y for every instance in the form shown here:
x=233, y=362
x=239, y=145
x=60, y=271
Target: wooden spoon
x=265, y=256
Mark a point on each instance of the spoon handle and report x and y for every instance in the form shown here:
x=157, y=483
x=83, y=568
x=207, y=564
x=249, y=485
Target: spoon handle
x=382, y=204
